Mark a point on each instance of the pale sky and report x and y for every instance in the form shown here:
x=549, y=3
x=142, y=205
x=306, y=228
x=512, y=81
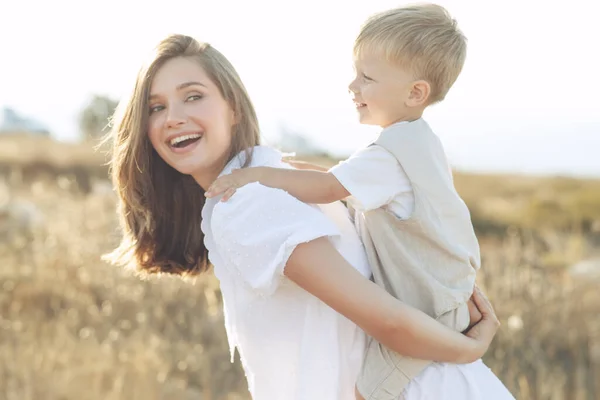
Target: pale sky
x=527, y=100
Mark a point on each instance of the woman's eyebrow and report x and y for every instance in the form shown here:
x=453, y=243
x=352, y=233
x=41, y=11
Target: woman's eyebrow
x=181, y=86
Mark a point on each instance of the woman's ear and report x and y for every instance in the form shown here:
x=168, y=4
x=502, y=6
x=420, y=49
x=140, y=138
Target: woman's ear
x=235, y=118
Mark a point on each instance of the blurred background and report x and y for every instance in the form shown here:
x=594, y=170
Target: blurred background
x=521, y=126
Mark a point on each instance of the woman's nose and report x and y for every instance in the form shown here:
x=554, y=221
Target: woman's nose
x=175, y=117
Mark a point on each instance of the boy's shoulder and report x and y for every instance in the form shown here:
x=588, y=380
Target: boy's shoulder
x=411, y=140
x=413, y=131
x=371, y=156
x=418, y=150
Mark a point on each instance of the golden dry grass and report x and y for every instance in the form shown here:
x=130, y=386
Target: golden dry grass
x=72, y=327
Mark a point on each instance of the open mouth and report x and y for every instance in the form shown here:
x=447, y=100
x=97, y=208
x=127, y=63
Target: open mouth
x=184, y=141
x=360, y=105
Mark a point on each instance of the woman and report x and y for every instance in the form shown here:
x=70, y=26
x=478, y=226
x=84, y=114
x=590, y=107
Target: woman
x=293, y=276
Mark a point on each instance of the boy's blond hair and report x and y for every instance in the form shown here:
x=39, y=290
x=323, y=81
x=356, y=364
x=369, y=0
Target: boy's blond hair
x=422, y=38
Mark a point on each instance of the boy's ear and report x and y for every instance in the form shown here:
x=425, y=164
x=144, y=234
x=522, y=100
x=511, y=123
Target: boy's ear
x=419, y=94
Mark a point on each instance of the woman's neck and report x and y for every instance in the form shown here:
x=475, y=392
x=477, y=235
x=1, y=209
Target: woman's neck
x=206, y=176
x=205, y=180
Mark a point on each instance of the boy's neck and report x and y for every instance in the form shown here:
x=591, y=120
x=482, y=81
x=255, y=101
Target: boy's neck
x=406, y=118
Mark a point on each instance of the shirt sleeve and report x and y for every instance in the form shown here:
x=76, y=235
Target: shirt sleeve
x=373, y=177
x=258, y=228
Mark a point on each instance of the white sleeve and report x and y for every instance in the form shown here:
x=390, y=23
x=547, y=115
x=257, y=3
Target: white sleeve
x=373, y=177
x=257, y=230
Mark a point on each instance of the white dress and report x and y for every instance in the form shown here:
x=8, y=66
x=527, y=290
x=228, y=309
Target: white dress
x=293, y=346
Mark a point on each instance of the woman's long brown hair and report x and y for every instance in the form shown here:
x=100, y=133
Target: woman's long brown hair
x=160, y=208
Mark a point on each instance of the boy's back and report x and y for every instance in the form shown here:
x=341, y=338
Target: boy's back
x=407, y=59
x=437, y=239
x=427, y=259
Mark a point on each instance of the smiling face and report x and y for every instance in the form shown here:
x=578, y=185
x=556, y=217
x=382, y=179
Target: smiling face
x=385, y=93
x=190, y=123
x=171, y=136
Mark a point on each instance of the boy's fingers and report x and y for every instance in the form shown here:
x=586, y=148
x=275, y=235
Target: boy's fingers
x=211, y=191
x=231, y=193
x=228, y=193
x=215, y=189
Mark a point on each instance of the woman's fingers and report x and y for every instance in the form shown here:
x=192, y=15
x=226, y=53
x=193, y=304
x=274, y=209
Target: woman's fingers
x=484, y=306
x=481, y=301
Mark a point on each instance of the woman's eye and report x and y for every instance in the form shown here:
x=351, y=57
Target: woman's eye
x=154, y=109
x=366, y=77
x=194, y=97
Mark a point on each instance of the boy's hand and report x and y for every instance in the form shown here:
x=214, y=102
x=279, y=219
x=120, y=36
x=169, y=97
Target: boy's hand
x=228, y=184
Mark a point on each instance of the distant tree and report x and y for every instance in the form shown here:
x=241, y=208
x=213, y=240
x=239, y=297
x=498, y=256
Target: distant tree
x=12, y=122
x=95, y=116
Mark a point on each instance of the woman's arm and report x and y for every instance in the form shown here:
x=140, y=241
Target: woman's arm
x=263, y=234
x=318, y=268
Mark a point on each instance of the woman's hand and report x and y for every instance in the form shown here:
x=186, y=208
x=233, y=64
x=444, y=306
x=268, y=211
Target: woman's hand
x=394, y=324
x=474, y=314
x=485, y=330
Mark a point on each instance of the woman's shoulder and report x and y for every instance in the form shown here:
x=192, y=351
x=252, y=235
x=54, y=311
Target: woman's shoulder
x=254, y=201
x=264, y=206
x=260, y=156
x=258, y=215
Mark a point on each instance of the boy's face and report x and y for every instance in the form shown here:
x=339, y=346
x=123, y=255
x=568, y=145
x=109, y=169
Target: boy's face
x=382, y=92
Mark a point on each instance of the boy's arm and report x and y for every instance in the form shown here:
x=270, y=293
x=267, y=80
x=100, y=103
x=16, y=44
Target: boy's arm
x=308, y=186
x=372, y=176
x=303, y=165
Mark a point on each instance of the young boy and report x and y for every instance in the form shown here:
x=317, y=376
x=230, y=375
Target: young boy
x=416, y=229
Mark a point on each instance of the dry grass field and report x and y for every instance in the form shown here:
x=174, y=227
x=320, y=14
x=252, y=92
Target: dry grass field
x=72, y=327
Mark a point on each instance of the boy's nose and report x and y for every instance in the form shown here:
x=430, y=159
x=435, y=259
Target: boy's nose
x=352, y=87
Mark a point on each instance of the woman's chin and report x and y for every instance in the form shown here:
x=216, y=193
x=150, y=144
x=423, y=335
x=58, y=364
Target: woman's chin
x=187, y=169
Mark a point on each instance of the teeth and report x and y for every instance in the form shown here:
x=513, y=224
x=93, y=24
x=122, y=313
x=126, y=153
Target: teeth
x=180, y=139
